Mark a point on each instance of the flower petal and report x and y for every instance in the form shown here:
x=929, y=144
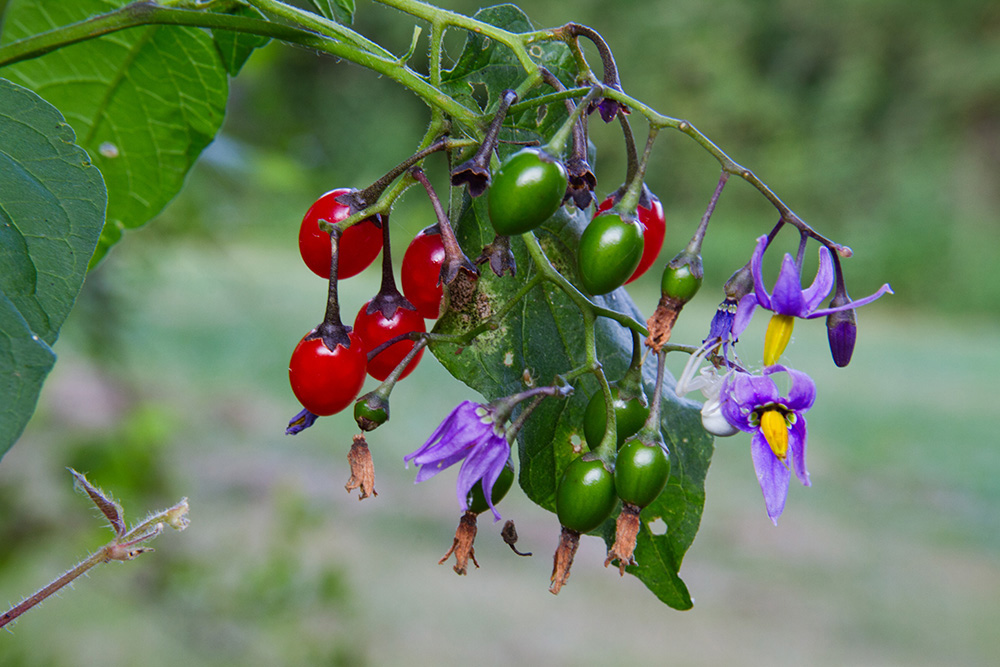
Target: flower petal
x=802, y=393
x=756, y=265
x=772, y=475
x=787, y=296
x=813, y=295
x=744, y=313
x=485, y=461
x=797, y=445
x=885, y=289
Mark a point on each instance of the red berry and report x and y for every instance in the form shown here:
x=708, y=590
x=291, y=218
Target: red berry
x=375, y=329
x=327, y=381
x=654, y=227
x=359, y=245
x=421, y=273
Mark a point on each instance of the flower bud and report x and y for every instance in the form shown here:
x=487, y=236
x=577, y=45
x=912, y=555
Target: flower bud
x=842, y=332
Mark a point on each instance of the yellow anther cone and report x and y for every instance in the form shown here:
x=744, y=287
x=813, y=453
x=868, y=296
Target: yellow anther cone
x=779, y=332
x=775, y=430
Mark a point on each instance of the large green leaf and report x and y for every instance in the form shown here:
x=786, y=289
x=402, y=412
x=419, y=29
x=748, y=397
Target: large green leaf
x=488, y=67
x=543, y=337
x=236, y=47
x=144, y=102
x=52, y=202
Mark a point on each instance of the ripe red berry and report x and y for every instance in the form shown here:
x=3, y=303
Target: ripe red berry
x=654, y=227
x=374, y=329
x=326, y=381
x=359, y=245
x=421, y=271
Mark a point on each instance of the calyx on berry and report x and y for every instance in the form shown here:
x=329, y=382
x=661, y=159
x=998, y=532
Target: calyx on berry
x=476, y=170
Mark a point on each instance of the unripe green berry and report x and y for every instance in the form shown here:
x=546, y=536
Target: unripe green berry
x=680, y=282
x=585, y=496
x=641, y=472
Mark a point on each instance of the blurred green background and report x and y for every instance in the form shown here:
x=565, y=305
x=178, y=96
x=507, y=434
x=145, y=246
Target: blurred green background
x=877, y=121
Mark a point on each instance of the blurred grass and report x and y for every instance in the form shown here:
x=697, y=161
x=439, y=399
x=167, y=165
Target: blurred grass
x=890, y=558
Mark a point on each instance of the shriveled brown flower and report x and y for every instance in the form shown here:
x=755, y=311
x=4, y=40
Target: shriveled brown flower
x=562, y=561
x=362, y=469
x=462, y=547
x=626, y=532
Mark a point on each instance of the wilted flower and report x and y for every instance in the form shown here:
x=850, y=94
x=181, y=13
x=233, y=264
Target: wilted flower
x=753, y=404
x=473, y=434
x=709, y=382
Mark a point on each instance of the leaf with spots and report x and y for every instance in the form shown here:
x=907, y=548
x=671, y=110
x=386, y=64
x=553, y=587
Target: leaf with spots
x=52, y=202
x=144, y=102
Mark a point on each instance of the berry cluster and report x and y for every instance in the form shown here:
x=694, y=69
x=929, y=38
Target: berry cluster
x=620, y=475
x=328, y=366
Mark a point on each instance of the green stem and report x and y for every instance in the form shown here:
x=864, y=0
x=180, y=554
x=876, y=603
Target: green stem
x=148, y=13
x=321, y=25
x=437, y=16
x=138, y=14
x=546, y=269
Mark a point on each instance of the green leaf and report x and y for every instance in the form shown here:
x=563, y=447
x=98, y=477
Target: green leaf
x=144, y=102
x=341, y=11
x=235, y=47
x=52, y=202
x=543, y=337
x=488, y=68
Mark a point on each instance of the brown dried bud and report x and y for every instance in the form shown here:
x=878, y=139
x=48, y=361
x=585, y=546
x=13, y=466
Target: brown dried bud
x=462, y=547
x=509, y=535
x=626, y=532
x=562, y=561
x=362, y=469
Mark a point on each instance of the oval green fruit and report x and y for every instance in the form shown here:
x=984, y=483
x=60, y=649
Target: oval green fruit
x=585, y=496
x=609, y=252
x=680, y=282
x=527, y=189
x=629, y=418
x=641, y=472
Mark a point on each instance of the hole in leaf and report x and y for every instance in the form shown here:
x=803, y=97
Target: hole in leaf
x=577, y=443
x=481, y=94
x=657, y=527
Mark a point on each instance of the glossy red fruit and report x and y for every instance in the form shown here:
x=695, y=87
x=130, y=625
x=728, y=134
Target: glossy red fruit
x=327, y=381
x=359, y=245
x=374, y=329
x=654, y=226
x=421, y=273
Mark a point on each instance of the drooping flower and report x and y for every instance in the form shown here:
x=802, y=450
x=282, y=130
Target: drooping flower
x=789, y=300
x=754, y=404
x=473, y=434
x=300, y=422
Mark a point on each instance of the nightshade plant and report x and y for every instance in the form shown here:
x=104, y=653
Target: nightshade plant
x=106, y=104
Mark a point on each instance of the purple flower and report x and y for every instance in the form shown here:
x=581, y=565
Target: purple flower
x=471, y=432
x=752, y=403
x=788, y=297
x=789, y=300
